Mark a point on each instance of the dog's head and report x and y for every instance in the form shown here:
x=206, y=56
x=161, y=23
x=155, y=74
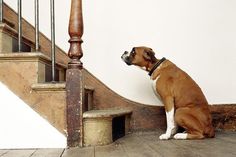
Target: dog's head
x=139, y=56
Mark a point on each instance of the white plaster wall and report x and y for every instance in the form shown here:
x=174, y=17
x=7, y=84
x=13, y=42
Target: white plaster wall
x=21, y=127
x=198, y=35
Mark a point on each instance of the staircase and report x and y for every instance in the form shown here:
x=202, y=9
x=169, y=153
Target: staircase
x=28, y=75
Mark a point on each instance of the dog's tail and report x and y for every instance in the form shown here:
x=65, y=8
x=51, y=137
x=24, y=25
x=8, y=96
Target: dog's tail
x=209, y=132
x=209, y=129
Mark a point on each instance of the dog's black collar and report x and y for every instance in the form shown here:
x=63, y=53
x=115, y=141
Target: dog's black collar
x=156, y=65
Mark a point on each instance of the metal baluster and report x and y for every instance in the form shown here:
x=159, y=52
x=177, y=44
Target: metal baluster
x=36, y=4
x=1, y=11
x=19, y=25
x=53, y=39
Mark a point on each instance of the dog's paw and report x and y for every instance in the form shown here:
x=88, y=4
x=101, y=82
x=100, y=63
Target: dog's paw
x=164, y=137
x=180, y=136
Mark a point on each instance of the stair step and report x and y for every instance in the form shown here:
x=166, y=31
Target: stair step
x=106, y=113
x=89, y=88
x=102, y=127
x=40, y=61
x=49, y=86
x=27, y=56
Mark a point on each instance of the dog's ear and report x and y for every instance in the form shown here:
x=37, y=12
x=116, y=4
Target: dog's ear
x=148, y=54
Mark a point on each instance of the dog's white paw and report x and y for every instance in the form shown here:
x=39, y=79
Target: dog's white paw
x=180, y=136
x=164, y=137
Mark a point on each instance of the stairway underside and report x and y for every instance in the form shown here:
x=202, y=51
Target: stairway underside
x=20, y=72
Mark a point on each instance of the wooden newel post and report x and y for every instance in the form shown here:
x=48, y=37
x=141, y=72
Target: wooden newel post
x=74, y=77
x=76, y=32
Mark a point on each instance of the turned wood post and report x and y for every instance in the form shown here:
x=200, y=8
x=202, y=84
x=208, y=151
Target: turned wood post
x=76, y=32
x=74, y=77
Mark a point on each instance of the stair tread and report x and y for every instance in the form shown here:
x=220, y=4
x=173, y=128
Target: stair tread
x=23, y=54
x=27, y=55
x=60, y=86
x=106, y=113
x=89, y=88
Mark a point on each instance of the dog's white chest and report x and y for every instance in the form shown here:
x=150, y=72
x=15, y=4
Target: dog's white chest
x=154, y=87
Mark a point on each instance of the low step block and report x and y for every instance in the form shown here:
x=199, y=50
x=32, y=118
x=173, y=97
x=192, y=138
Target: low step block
x=102, y=127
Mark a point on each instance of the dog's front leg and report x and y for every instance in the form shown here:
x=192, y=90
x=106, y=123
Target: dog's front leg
x=171, y=125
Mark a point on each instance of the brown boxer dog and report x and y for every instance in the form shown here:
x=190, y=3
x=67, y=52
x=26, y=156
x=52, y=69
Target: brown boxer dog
x=184, y=101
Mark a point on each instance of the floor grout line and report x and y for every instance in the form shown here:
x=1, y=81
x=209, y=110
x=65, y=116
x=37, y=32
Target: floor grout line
x=62, y=152
x=5, y=153
x=94, y=151
x=33, y=152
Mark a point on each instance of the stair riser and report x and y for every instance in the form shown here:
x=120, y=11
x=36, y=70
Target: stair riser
x=97, y=131
x=5, y=43
x=9, y=43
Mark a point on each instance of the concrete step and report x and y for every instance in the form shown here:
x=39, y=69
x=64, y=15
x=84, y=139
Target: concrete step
x=102, y=127
x=49, y=87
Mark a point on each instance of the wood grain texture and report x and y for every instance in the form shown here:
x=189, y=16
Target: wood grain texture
x=113, y=150
x=74, y=102
x=74, y=77
x=79, y=152
x=19, y=153
x=75, y=32
x=132, y=144
x=143, y=144
x=166, y=147
x=208, y=147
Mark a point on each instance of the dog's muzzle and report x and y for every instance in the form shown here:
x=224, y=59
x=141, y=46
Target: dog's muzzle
x=126, y=58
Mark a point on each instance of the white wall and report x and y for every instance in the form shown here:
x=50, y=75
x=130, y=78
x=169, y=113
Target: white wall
x=21, y=127
x=198, y=35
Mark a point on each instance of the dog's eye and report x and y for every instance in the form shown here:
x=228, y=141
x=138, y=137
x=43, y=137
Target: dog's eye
x=133, y=51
